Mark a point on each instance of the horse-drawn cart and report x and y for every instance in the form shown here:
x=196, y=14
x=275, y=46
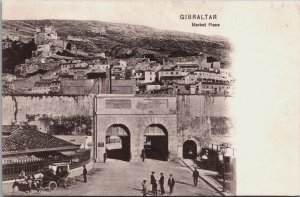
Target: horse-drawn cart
x=58, y=174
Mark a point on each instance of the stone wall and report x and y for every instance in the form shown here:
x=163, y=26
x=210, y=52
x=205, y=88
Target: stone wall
x=186, y=117
x=16, y=109
x=198, y=115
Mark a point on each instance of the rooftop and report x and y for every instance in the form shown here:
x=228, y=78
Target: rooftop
x=171, y=77
x=216, y=83
x=28, y=140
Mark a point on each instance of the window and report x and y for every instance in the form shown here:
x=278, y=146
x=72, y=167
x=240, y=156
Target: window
x=150, y=78
x=171, y=73
x=176, y=73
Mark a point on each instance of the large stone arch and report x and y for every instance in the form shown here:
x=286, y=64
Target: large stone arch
x=170, y=124
x=118, y=149
x=156, y=142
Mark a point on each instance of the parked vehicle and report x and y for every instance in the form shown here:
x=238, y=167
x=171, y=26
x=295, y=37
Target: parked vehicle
x=59, y=173
x=49, y=179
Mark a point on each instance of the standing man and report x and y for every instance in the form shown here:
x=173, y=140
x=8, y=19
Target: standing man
x=161, y=184
x=191, y=154
x=171, y=183
x=155, y=188
x=153, y=181
x=195, y=176
x=143, y=155
x=29, y=182
x=204, y=158
x=84, y=173
x=144, y=188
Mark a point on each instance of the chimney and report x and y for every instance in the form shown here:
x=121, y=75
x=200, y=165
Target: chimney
x=108, y=76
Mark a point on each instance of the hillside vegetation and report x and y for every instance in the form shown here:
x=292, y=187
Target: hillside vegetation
x=125, y=40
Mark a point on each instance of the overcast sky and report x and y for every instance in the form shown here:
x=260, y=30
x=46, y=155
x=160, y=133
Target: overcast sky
x=158, y=14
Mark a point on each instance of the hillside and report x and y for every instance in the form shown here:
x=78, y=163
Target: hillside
x=125, y=40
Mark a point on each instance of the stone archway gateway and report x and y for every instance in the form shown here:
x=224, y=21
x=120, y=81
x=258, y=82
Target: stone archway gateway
x=156, y=142
x=189, y=149
x=118, y=142
x=143, y=122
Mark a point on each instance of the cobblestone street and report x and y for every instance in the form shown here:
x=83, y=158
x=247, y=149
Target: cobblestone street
x=123, y=178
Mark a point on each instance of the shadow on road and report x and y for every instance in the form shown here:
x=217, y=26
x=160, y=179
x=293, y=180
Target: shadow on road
x=149, y=193
x=79, y=180
x=184, y=183
x=192, y=185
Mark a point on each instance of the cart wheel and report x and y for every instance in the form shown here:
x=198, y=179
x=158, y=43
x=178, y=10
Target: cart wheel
x=69, y=182
x=52, y=185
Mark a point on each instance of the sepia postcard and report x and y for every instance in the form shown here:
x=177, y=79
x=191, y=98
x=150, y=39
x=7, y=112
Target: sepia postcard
x=150, y=98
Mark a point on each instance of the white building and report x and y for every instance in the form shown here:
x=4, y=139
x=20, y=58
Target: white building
x=65, y=67
x=153, y=86
x=150, y=76
x=171, y=73
x=123, y=64
x=99, y=67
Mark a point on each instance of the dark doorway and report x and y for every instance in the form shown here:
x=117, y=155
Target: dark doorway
x=189, y=149
x=118, y=142
x=68, y=46
x=156, y=142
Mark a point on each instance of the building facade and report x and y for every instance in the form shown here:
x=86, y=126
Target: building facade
x=138, y=122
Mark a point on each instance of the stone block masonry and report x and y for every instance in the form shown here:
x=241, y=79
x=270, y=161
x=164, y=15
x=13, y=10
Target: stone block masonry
x=182, y=118
x=15, y=109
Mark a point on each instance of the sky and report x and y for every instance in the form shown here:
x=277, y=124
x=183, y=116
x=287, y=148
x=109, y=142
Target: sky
x=158, y=14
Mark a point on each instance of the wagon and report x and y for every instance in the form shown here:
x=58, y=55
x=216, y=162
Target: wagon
x=57, y=175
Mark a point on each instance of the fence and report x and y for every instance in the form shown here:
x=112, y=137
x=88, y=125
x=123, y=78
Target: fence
x=217, y=148
x=12, y=169
x=80, y=158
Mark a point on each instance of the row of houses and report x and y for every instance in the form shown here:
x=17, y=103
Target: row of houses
x=89, y=74
x=176, y=75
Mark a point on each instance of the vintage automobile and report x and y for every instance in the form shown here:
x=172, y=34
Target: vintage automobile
x=57, y=174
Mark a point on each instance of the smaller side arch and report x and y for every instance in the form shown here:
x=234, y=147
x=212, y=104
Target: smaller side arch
x=190, y=149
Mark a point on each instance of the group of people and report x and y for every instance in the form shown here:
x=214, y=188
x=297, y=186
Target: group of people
x=161, y=181
x=30, y=180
